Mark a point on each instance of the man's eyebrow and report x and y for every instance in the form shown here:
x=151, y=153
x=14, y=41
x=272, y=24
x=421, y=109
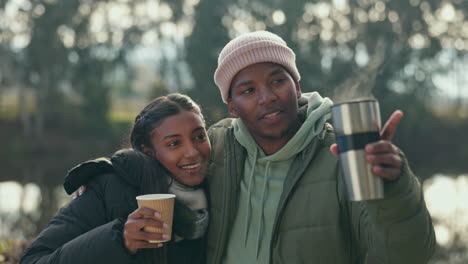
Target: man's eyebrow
x=242, y=84
x=274, y=72
x=279, y=70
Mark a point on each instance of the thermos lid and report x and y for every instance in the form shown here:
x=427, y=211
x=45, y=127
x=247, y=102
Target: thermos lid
x=357, y=116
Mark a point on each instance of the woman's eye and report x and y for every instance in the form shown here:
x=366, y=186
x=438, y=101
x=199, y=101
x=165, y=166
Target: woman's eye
x=173, y=143
x=201, y=137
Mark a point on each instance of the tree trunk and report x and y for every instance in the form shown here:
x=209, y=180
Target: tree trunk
x=41, y=98
x=23, y=109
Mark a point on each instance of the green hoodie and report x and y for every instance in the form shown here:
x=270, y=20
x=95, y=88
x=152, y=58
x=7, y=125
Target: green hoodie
x=262, y=184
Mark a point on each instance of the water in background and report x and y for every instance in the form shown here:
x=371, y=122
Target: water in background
x=446, y=199
x=20, y=209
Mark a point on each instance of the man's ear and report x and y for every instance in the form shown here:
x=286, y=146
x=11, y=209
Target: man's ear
x=298, y=89
x=231, y=108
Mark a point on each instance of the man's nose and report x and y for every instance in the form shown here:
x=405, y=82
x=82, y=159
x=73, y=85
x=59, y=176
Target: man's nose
x=267, y=95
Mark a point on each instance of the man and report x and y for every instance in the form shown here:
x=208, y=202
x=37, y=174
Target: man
x=276, y=191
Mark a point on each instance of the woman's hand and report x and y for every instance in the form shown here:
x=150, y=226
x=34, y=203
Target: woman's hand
x=133, y=234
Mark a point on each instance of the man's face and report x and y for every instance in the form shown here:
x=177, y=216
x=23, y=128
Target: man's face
x=264, y=96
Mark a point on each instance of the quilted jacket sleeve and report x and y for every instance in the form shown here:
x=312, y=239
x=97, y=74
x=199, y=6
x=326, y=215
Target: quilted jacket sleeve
x=81, y=233
x=397, y=229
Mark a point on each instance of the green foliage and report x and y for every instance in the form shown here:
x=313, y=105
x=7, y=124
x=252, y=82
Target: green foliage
x=11, y=250
x=202, y=52
x=157, y=89
x=329, y=41
x=96, y=106
x=15, y=151
x=121, y=131
x=75, y=67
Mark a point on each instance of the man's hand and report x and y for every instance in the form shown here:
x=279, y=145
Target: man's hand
x=383, y=155
x=133, y=234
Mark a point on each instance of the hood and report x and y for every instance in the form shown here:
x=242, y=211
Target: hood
x=314, y=112
x=128, y=164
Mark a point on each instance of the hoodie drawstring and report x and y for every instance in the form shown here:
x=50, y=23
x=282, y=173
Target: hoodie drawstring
x=249, y=188
x=262, y=202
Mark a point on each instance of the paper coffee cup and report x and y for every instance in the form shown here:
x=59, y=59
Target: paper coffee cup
x=162, y=203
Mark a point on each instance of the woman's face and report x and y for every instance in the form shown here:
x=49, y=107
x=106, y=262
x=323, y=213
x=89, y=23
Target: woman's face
x=181, y=145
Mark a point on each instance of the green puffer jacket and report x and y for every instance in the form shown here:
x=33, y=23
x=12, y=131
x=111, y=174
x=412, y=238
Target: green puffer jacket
x=314, y=222
x=89, y=229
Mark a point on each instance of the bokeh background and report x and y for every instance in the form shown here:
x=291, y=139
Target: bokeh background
x=74, y=73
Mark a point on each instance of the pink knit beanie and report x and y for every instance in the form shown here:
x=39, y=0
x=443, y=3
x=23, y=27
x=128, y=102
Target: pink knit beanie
x=248, y=49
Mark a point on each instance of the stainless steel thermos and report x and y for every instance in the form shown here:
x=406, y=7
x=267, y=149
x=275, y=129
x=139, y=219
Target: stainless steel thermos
x=356, y=124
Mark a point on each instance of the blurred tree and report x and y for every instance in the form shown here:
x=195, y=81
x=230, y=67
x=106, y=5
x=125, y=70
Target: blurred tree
x=158, y=89
x=66, y=52
x=351, y=49
x=203, y=47
x=46, y=57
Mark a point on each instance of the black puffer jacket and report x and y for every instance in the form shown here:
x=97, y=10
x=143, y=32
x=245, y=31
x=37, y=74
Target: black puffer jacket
x=89, y=229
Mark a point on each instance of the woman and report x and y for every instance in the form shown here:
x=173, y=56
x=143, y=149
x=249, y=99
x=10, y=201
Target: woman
x=170, y=152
